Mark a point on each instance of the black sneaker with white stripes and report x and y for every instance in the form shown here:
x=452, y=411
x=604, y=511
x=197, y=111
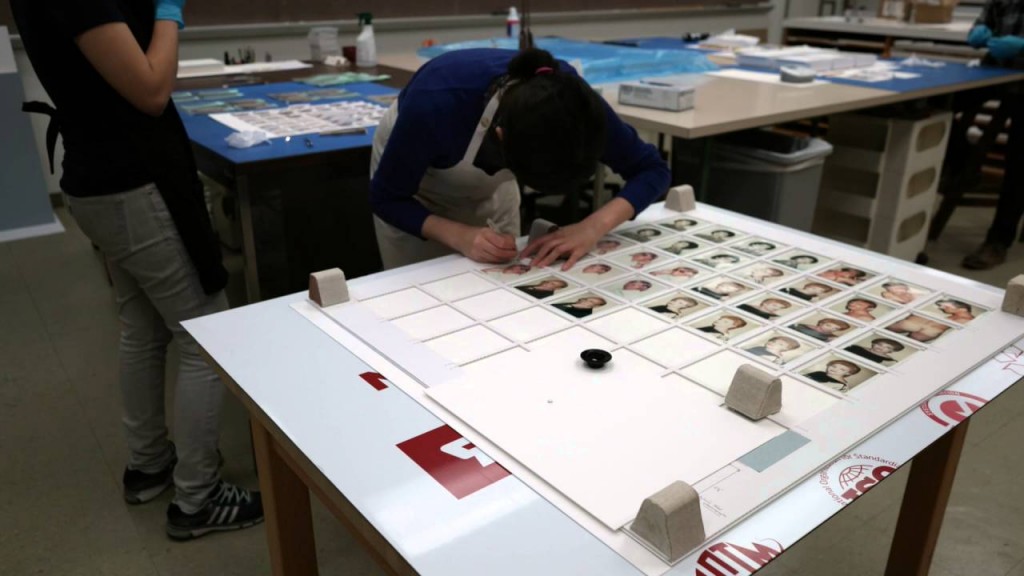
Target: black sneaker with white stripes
x=229, y=508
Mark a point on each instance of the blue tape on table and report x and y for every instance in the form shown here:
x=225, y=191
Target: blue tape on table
x=210, y=134
x=951, y=74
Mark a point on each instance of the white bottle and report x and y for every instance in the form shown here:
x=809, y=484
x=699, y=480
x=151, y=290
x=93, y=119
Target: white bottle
x=366, y=45
x=512, y=26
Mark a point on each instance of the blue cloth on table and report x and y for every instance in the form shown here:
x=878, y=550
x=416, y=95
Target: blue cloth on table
x=601, y=63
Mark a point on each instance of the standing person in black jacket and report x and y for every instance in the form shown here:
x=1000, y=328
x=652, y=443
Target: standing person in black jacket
x=109, y=66
x=1000, y=28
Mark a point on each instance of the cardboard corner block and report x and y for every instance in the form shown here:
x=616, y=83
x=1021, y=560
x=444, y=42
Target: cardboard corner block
x=681, y=198
x=670, y=520
x=541, y=227
x=754, y=393
x=1013, y=299
x=328, y=287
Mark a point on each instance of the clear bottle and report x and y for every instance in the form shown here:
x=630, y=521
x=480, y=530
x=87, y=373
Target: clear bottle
x=512, y=25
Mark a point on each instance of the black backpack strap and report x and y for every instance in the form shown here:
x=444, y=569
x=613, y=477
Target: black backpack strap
x=52, y=129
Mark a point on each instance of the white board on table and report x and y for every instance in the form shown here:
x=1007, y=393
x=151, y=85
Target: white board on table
x=605, y=438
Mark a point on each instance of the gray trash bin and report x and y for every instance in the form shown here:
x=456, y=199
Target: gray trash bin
x=782, y=188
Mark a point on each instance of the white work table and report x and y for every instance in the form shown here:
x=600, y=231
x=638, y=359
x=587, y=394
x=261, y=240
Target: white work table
x=726, y=105
x=338, y=429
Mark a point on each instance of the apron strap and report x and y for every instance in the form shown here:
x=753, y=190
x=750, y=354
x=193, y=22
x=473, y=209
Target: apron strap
x=52, y=129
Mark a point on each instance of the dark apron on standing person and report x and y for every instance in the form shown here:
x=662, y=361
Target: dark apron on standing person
x=169, y=161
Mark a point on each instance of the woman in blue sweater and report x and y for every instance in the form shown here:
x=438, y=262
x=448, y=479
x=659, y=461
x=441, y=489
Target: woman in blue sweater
x=472, y=125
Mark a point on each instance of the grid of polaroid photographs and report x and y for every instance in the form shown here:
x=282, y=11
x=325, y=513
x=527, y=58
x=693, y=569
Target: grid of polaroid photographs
x=306, y=118
x=695, y=298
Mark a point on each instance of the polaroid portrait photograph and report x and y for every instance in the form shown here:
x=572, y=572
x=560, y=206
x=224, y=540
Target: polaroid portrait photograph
x=609, y=244
x=917, y=327
x=778, y=347
x=838, y=373
x=680, y=224
x=799, y=260
x=764, y=274
x=510, y=272
x=584, y=304
x=881, y=349
x=676, y=305
x=953, y=310
x=720, y=260
x=633, y=287
x=642, y=233
x=898, y=292
x=822, y=327
x=757, y=247
x=845, y=274
x=771, y=307
x=545, y=287
x=862, y=308
x=678, y=273
x=594, y=272
x=723, y=326
x=717, y=234
x=639, y=259
x=810, y=290
x=680, y=246
x=722, y=288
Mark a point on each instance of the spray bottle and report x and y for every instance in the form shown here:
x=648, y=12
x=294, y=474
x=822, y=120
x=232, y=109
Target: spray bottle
x=512, y=26
x=366, y=45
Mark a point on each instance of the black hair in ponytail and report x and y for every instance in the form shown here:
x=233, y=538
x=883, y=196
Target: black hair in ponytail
x=552, y=121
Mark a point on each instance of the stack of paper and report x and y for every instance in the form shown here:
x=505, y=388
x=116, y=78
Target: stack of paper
x=820, y=59
x=201, y=67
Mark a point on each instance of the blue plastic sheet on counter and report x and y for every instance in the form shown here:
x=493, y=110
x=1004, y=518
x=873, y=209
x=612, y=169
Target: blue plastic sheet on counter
x=602, y=63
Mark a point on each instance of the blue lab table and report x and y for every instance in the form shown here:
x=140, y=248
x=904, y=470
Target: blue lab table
x=301, y=207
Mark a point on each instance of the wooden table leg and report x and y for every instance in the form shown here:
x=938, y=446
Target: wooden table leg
x=289, y=521
x=924, y=505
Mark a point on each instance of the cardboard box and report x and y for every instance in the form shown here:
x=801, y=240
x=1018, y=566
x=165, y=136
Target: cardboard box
x=656, y=95
x=938, y=12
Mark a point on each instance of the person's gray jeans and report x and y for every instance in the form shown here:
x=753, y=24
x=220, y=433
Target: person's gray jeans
x=157, y=288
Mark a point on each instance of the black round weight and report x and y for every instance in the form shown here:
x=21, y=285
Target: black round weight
x=596, y=358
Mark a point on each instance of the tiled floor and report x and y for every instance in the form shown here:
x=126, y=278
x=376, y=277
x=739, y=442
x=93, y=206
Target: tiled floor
x=61, y=452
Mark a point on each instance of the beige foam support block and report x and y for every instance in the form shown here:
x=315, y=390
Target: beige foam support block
x=1013, y=300
x=670, y=520
x=328, y=287
x=681, y=199
x=754, y=393
x=541, y=227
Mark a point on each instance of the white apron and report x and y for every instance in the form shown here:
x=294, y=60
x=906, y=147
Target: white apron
x=463, y=193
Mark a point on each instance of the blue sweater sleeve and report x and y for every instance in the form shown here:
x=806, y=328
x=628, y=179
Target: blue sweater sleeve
x=639, y=163
x=407, y=155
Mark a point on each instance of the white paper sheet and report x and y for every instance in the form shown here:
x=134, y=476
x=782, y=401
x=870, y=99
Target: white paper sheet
x=763, y=77
x=251, y=68
x=606, y=439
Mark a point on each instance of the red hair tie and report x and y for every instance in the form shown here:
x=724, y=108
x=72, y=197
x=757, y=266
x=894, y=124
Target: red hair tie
x=544, y=70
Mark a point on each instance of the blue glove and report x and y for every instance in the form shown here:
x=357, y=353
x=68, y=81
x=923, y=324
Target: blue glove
x=1005, y=48
x=171, y=10
x=979, y=36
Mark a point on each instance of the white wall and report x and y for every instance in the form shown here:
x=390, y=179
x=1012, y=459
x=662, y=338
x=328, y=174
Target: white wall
x=289, y=42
